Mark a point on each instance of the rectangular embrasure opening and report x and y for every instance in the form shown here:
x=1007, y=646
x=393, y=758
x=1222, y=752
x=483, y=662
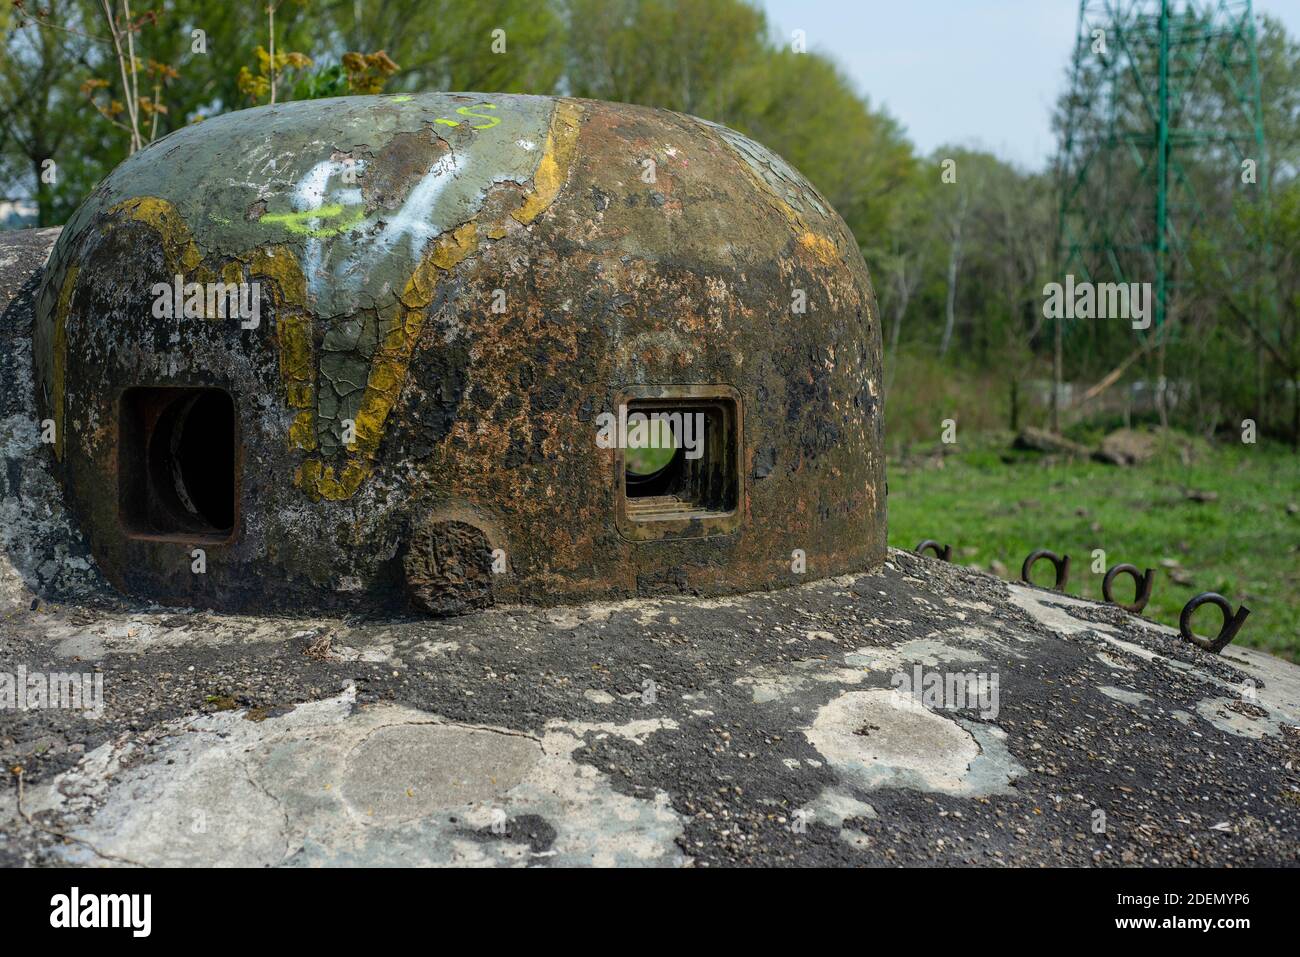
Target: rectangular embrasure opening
x=682, y=459
x=177, y=462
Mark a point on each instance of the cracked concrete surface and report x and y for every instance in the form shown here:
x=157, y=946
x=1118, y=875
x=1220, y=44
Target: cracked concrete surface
x=327, y=782
x=882, y=738
x=765, y=729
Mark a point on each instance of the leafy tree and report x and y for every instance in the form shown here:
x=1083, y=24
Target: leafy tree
x=271, y=69
x=46, y=146
x=800, y=105
x=489, y=46
x=686, y=55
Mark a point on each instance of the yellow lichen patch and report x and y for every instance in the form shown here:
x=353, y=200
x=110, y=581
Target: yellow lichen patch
x=825, y=248
x=557, y=159
x=179, y=250
x=293, y=335
x=302, y=432
x=820, y=246
x=448, y=250
x=388, y=369
x=61, y=355
x=279, y=264
x=203, y=275
x=320, y=482
x=392, y=359
x=215, y=299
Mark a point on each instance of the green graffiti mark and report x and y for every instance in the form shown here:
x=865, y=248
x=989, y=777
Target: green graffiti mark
x=469, y=111
x=403, y=98
x=491, y=120
x=297, y=222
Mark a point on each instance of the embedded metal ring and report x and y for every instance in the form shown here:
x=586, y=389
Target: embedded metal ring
x=1141, y=585
x=1231, y=623
x=940, y=551
x=1061, y=563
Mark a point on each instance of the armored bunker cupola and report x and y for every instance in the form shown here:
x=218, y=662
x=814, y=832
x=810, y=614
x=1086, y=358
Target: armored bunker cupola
x=464, y=348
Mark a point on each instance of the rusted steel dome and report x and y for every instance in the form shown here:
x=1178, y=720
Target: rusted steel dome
x=322, y=353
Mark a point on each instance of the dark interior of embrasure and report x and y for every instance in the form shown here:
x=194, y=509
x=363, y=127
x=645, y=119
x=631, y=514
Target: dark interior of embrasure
x=177, y=463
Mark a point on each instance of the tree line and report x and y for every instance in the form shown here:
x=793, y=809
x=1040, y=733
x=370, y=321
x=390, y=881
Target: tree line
x=960, y=242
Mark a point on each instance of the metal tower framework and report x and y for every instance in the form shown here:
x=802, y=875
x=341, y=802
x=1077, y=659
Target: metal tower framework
x=1161, y=91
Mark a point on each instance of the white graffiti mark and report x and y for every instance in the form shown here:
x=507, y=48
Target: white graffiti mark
x=309, y=194
x=415, y=218
x=324, y=187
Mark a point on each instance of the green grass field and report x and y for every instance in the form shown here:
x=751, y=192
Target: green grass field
x=1244, y=545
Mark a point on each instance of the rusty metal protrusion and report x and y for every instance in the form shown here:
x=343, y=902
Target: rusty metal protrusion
x=940, y=551
x=1231, y=623
x=1141, y=583
x=1061, y=563
x=448, y=568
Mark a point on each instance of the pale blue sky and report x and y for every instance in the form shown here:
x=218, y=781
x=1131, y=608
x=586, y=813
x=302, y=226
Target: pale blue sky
x=972, y=72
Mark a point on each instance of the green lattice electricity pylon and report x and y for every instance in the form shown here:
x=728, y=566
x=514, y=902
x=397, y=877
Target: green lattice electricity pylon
x=1162, y=124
